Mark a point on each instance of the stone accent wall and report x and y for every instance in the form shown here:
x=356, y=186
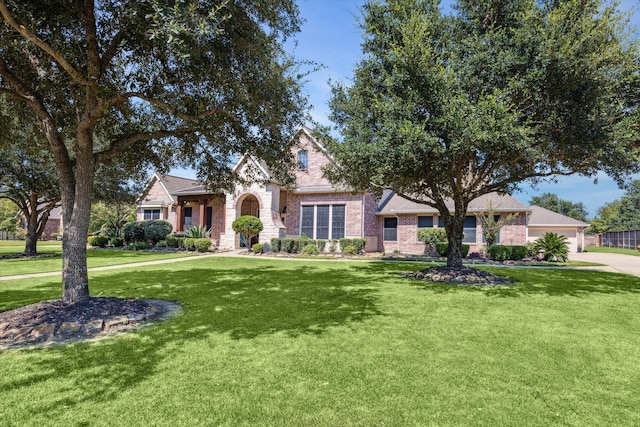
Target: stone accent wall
x=269, y=213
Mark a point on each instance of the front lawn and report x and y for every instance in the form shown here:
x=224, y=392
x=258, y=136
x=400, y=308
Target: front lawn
x=605, y=250
x=95, y=258
x=272, y=342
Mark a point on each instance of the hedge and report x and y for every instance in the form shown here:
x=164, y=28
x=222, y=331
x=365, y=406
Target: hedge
x=507, y=252
x=275, y=244
x=156, y=230
x=98, y=241
x=443, y=249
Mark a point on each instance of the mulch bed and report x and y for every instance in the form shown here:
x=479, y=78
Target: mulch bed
x=458, y=276
x=21, y=255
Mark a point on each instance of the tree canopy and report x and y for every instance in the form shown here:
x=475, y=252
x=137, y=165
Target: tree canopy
x=154, y=82
x=451, y=107
x=565, y=207
x=620, y=214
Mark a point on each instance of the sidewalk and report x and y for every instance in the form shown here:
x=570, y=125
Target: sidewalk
x=615, y=263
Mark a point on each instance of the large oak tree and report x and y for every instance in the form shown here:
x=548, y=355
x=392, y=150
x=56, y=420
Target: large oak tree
x=451, y=107
x=197, y=81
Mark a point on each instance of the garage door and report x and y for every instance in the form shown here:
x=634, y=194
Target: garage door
x=569, y=233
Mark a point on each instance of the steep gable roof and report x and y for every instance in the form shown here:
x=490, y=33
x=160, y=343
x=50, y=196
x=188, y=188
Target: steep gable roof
x=542, y=216
x=394, y=204
x=170, y=184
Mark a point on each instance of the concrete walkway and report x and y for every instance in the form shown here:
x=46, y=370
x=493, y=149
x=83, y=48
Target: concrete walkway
x=617, y=263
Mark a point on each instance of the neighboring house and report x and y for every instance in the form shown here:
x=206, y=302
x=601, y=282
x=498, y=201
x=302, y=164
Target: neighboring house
x=315, y=207
x=543, y=220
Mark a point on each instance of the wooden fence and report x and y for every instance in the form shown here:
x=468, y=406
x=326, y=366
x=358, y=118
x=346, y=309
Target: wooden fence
x=629, y=239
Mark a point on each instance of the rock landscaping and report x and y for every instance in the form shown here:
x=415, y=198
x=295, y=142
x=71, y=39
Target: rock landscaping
x=458, y=276
x=54, y=322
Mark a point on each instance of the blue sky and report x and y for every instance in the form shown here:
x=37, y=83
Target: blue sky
x=331, y=37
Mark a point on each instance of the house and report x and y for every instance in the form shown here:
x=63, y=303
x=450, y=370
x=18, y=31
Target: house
x=543, y=220
x=321, y=210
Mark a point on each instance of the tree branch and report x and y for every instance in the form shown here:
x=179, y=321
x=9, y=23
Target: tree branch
x=163, y=105
x=53, y=53
x=119, y=146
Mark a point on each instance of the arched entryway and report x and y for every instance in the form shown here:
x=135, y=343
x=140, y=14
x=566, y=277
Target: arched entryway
x=250, y=205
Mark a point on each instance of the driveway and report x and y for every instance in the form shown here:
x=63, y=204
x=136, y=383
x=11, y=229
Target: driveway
x=614, y=262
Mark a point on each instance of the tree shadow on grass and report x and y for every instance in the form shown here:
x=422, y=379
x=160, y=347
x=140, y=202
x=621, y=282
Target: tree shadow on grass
x=242, y=303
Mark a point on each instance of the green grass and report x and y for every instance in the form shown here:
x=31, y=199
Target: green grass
x=95, y=258
x=271, y=342
x=605, y=250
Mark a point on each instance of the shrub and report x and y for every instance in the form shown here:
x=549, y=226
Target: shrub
x=288, y=245
x=190, y=243
x=310, y=249
x=202, y=244
x=552, y=247
x=257, y=248
x=156, y=230
x=172, y=241
x=431, y=236
x=333, y=246
x=247, y=226
x=161, y=244
x=321, y=244
x=133, y=232
x=349, y=250
x=507, y=252
x=98, y=241
x=344, y=242
x=198, y=232
x=359, y=244
x=275, y=245
x=140, y=246
x=443, y=249
x=116, y=241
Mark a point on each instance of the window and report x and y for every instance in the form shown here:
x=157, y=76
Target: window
x=390, y=231
x=323, y=221
x=187, y=217
x=469, y=229
x=303, y=160
x=425, y=221
x=151, y=214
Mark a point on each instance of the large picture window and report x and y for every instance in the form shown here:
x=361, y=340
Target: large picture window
x=390, y=231
x=150, y=214
x=321, y=222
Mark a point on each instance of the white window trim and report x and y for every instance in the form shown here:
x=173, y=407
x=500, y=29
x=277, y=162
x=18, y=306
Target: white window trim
x=144, y=210
x=315, y=222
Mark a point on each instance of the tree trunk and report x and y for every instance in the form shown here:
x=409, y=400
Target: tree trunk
x=31, y=240
x=454, y=225
x=75, y=280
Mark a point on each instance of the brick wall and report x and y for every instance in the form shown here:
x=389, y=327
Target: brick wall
x=317, y=160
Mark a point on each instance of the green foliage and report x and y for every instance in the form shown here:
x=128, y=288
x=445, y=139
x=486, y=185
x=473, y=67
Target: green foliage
x=288, y=245
x=116, y=241
x=443, y=249
x=321, y=245
x=309, y=249
x=109, y=218
x=247, y=226
x=431, y=236
x=553, y=203
x=492, y=223
x=552, y=247
x=507, y=252
x=275, y=244
x=98, y=241
x=359, y=244
x=173, y=241
x=150, y=84
x=8, y=211
x=156, y=230
x=198, y=232
x=620, y=214
x=333, y=246
x=190, y=243
x=161, y=244
x=140, y=246
x=454, y=107
x=257, y=248
x=201, y=245
x=349, y=250
x=344, y=242
x=133, y=232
